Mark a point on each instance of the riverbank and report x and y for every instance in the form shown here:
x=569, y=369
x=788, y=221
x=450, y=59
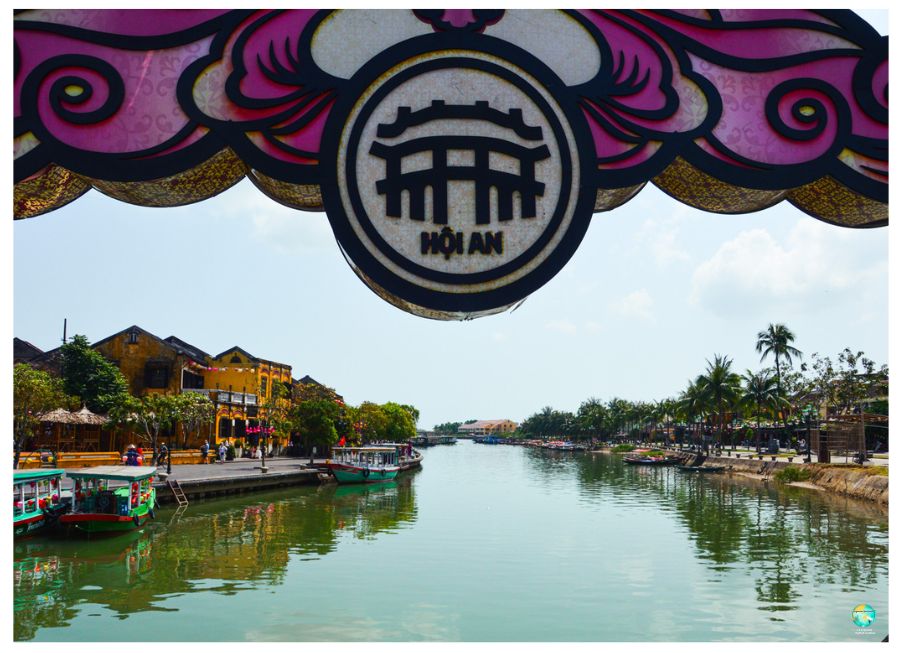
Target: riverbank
x=867, y=483
x=243, y=475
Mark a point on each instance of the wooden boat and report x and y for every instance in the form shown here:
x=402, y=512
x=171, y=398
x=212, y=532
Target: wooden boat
x=111, y=498
x=701, y=469
x=363, y=464
x=37, y=499
x=652, y=460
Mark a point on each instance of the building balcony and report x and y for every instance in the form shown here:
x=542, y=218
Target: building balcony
x=225, y=397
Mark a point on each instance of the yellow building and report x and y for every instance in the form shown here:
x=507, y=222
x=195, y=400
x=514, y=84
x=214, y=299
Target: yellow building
x=240, y=386
x=488, y=427
x=151, y=364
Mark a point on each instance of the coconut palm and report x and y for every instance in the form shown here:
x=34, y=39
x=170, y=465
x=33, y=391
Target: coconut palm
x=777, y=340
x=761, y=393
x=722, y=388
x=693, y=404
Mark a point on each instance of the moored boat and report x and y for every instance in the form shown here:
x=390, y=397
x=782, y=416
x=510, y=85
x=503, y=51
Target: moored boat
x=111, y=498
x=363, y=464
x=701, y=469
x=649, y=460
x=37, y=499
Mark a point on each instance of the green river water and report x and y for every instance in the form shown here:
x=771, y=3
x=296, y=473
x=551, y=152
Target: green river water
x=485, y=543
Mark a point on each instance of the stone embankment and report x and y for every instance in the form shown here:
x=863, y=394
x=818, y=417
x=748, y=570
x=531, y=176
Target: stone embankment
x=850, y=480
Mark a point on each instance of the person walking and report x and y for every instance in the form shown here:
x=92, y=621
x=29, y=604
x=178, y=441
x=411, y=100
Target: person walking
x=162, y=455
x=204, y=452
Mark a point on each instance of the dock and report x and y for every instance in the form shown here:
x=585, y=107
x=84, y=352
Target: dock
x=245, y=475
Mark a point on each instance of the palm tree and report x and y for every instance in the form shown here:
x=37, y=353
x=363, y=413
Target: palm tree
x=761, y=392
x=722, y=388
x=693, y=404
x=776, y=340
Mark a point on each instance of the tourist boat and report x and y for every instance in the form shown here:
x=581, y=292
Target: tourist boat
x=363, y=464
x=37, y=499
x=111, y=498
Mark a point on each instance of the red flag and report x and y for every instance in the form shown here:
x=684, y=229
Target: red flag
x=342, y=441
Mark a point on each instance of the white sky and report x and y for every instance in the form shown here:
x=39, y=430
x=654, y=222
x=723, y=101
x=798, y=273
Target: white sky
x=654, y=290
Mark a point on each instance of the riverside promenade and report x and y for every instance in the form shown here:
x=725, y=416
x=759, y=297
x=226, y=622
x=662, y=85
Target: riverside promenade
x=238, y=476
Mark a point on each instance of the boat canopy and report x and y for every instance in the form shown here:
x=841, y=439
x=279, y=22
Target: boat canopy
x=21, y=476
x=114, y=472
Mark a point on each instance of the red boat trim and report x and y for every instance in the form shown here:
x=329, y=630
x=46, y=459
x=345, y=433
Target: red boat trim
x=30, y=520
x=92, y=516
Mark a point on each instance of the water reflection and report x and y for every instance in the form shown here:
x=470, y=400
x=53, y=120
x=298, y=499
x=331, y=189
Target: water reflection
x=219, y=546
x=788, y=540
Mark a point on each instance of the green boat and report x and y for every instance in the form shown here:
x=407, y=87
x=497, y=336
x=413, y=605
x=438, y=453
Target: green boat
x=37, y=499
x=111, y=498
x=363, y=464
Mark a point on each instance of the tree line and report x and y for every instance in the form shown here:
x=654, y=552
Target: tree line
x=715, y=400
x=309, y=414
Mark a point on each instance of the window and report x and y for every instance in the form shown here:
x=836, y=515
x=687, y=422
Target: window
x=192, y=380
x=235, y=359
x=156, y=375
x=264, y=386
x=132, y=337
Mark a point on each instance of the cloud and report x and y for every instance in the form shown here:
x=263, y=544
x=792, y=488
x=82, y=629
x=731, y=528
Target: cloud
x=276, y=225
x=562, y=326
x=657, y=238
x=815, y=265
x=637, y=304
x=499, y=336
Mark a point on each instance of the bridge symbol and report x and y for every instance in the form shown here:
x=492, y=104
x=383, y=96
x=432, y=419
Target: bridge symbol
x=440, y=173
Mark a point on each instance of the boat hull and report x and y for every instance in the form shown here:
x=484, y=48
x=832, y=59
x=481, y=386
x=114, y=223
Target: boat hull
x=28, y=525
x=344, y=473
x=96, y=522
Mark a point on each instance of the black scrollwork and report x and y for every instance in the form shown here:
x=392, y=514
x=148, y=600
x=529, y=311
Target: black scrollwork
x=60, y=95
x=807, y=110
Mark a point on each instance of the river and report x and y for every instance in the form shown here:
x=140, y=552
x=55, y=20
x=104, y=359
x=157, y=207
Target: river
x=485, y=543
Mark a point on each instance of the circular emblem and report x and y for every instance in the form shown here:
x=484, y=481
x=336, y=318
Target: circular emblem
x=459, y=186
x=863, y=615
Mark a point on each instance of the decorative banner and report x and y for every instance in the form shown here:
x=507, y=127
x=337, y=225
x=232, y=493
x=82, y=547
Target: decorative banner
x=197, y=366
x=459, y=154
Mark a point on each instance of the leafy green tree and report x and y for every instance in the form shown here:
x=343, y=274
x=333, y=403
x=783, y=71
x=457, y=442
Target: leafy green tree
x=722, y=389
x=86, y=374
x=372, y=422
x=414, y=413
x=315, y=421
x=147, y=416
x=448, y=428
x=592, y=416
x=34, y=392
x=694, y=404
x=400, y=425
x=275, y=411
x=777, y=339
x=194, y=410
x=760, y=392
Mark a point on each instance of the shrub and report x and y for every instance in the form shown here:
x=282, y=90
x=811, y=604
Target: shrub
x=792, y=474
x=623, y=448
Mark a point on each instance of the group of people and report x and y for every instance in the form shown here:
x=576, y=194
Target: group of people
x=222, y=451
